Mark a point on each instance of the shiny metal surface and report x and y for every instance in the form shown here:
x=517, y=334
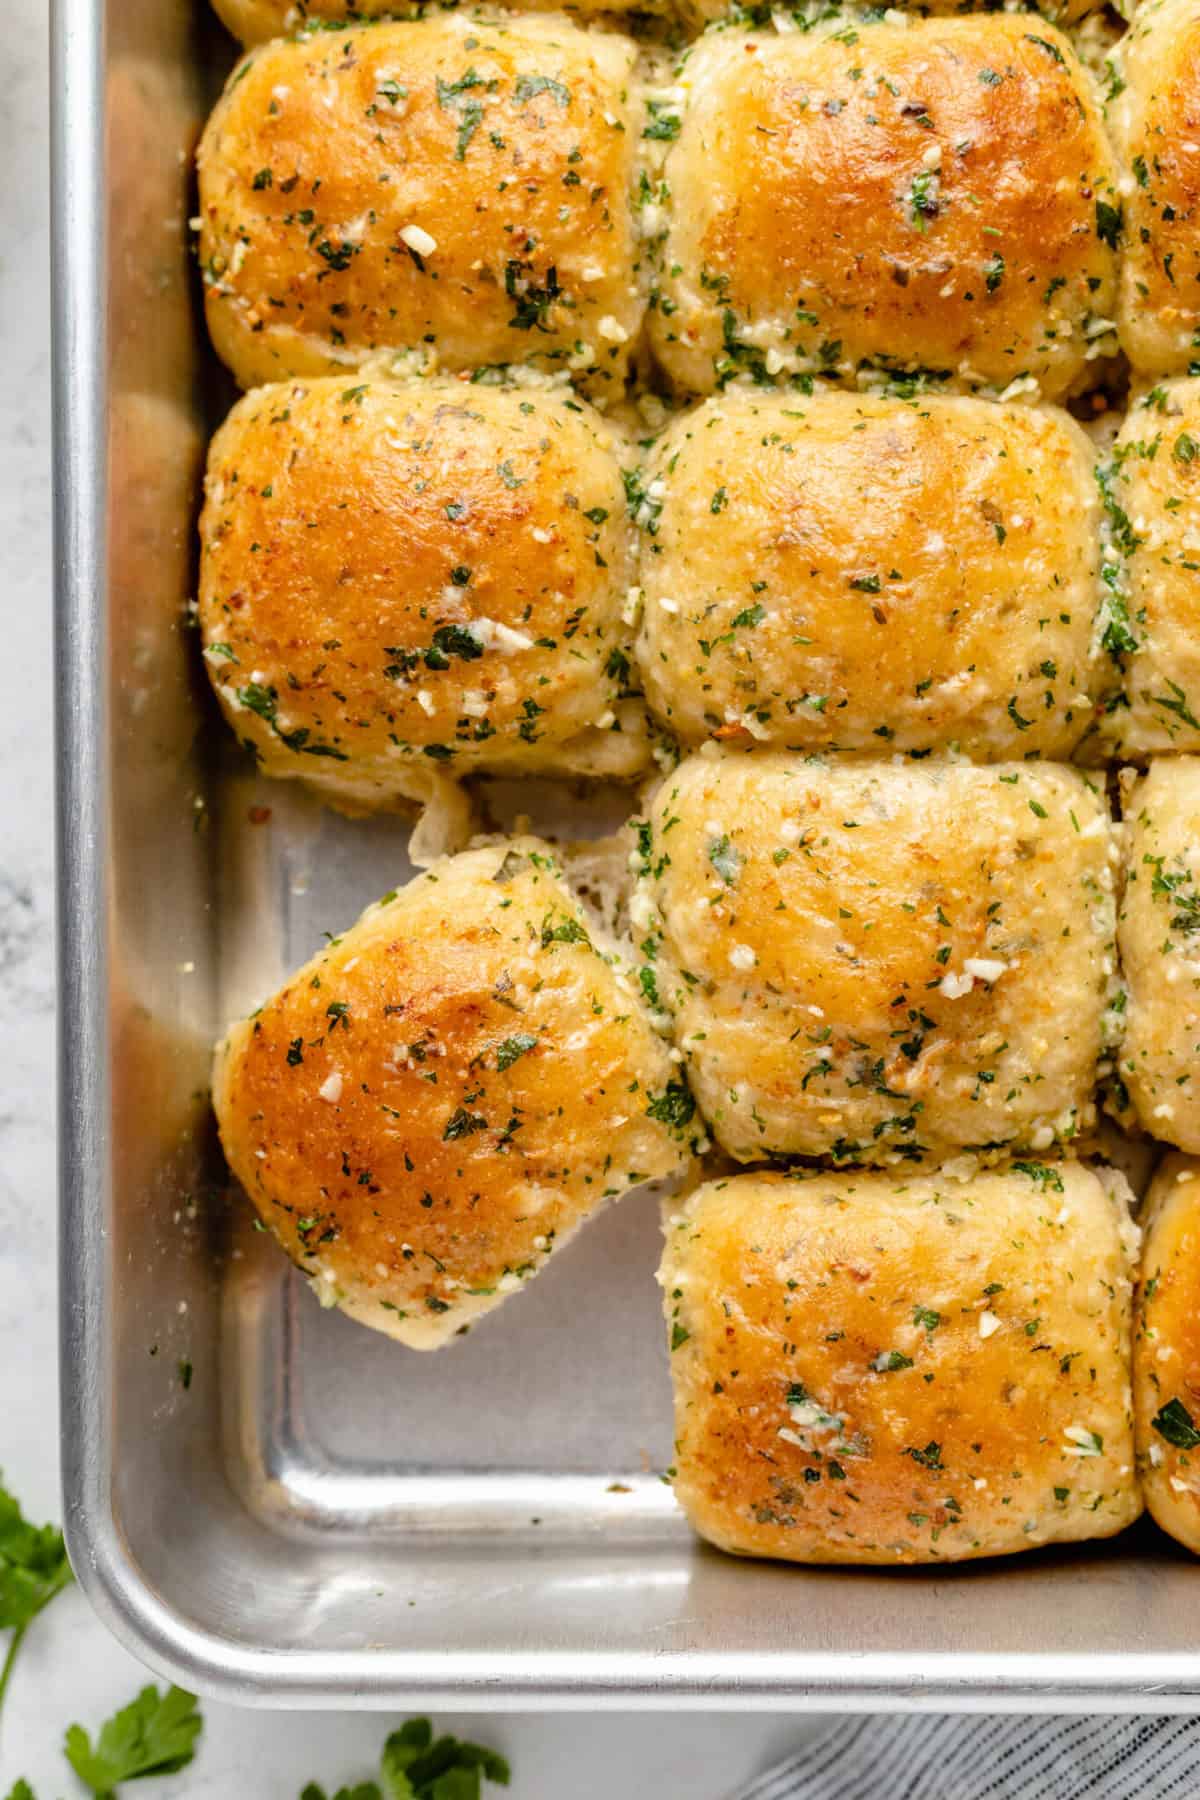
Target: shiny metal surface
x=315, y=1517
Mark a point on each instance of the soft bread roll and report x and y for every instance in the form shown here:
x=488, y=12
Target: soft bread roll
x=254, y=21
x=707, y=11
x=1159, y=937
x=401, y=579
x=440, y=1098
x=902, y=1369
x=1151, y=485
x=854, y=572
x=1166, y=1352
x=453, y=187
x=1152, y=119
x=932, y=195
x=870, y=961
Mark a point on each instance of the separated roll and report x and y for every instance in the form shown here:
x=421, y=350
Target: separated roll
x=885, y=1369
x=429, y=1108
x=1166, y=1352
x=849, y=572
x=1152, y=117
x=401, y=580
x=872, y=961
x=1160, y=951
x=454, y=189
x=932, y=197
x=1151, y=486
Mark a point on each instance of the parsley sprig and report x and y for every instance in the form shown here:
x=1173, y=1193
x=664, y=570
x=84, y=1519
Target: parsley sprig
x=154, y=1735
x=33, y=1569
x=417, y=1766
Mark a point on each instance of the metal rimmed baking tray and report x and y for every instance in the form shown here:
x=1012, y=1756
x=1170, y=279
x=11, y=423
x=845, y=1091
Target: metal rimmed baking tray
x=262, y=1499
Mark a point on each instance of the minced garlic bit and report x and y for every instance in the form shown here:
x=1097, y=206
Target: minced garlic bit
x=418, y=239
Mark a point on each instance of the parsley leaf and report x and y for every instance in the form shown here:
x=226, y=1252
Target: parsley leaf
x=662, y=123
x=33, y=1566
x=418, y=1766
x=725, y=859
x=512, y=1048
x=929, y=1458
x=1109, y=223
x=463, y=1124
x=674, y=1107
x=564, y=931
x=528, y=86
x=1043, y=1175
x=33, y=1569
x=154, y=1735
x=753, y=615
x=1176, y=1425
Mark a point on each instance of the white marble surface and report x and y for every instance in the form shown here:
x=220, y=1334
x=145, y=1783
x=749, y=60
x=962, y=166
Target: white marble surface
x=71, y=1668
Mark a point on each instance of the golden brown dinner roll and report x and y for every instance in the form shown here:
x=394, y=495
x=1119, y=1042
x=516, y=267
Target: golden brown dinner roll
x=851, y=572
x=457, y=188
x=435, y=1103
x=1151, y=486
x=405, y=578
x=873, y=960
x=707, y=11
x=880, y=1368
x=254, y=21
x=1166, y=1351
x=1152, y=118
x=1159, y=936
x=930, y=196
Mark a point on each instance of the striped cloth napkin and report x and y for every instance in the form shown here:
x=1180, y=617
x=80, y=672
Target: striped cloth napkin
x=1006, y=1756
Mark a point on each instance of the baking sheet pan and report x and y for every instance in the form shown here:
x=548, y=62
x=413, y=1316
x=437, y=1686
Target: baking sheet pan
x=263, y=1500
